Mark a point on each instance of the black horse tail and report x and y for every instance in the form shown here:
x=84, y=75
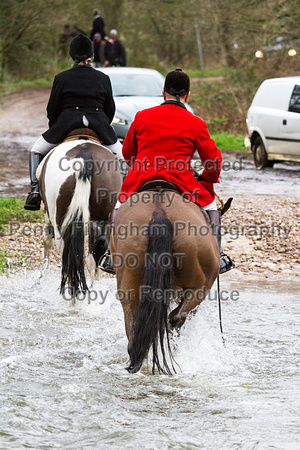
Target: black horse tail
x=155, y=295
x=75, y=226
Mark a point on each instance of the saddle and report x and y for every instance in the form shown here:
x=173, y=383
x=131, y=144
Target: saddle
x=159, y=185
x=163, y=185
x=83, y=133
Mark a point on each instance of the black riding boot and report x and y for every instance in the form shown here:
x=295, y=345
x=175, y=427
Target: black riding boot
x=33, y=201
x=105, y=262
x=226, y=262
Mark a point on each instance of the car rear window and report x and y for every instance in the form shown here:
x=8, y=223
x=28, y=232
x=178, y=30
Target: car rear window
x=294, y=105
x=136, y=84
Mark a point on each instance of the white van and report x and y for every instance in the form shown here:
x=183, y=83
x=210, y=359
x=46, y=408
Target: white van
x=273, y=122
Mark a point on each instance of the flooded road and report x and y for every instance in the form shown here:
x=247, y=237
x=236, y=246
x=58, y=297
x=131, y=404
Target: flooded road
x=241, y=176
x=23, y=119
x=63, y=382
x=62, y=379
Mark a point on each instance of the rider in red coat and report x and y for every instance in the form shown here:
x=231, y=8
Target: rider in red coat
x=160, y=144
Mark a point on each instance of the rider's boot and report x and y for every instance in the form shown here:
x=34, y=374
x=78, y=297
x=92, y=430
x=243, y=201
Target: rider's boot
x=226, y=262
x=105, y=262
x=33, y=201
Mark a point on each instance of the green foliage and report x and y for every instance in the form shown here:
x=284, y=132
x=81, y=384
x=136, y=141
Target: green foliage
x=10, y=87
x=34, y=35
x=3, y=262
x=218, y=71
x=161, y=34
x=12, y=210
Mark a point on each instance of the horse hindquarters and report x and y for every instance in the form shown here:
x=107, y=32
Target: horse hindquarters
x=152, y=315
x=74, y=229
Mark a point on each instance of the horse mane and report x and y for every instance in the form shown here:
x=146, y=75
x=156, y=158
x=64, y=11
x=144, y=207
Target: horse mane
x=152, y=316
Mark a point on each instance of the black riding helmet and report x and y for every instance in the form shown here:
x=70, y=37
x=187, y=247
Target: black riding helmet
x=177, y=83
x=81, y=48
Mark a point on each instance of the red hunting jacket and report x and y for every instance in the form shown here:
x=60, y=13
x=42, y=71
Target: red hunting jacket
x=160, y=144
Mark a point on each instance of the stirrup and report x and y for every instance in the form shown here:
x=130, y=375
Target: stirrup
x=33, y=201
x=105, y=264
x=228, y=263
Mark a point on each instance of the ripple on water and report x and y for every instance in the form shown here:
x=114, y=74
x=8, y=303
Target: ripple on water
x=63, y=383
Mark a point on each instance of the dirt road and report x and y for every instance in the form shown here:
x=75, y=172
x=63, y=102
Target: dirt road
x=262, y=226
x=22, y=120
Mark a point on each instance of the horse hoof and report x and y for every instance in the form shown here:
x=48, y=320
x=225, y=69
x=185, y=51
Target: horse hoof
x=133, y=369
x=177, y=320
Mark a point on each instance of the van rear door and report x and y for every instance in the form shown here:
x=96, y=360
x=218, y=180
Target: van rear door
x=290, y=126
x=276, y=96
x=267, y=106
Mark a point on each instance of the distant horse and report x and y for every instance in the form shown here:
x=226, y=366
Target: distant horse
x=160, y=245
x=79, y=183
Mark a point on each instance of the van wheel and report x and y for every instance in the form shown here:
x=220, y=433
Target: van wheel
x=260, y=155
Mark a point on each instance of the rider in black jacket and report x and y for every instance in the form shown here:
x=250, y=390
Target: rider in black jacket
x=80, y=97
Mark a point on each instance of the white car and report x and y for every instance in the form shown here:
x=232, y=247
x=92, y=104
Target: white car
x=273, y=122
x=133, y=89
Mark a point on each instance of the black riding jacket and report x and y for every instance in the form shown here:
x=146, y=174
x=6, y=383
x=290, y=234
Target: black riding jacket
x=79, y=96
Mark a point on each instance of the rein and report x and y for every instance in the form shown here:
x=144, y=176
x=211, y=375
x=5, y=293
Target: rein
x=220, y=311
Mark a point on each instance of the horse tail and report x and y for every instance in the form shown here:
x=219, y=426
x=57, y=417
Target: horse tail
x=74, y=227
x=155, y=296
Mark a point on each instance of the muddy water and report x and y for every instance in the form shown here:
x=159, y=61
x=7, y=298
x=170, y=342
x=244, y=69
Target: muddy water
x=14, y=167
x=23, y=119
x=63, y=383
x=238, y=175
x=62, y=378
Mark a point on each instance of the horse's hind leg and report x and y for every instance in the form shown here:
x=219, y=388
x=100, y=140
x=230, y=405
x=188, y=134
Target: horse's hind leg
x=97, y=246
x=48, y=240
x=92, y=269
x=177, y=317
x=191, y=299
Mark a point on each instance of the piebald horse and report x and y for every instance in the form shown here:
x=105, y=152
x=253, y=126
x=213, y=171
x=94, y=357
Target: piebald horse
x=79, y=183
x=160, y=245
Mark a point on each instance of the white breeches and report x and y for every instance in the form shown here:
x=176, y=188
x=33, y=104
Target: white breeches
x=211, y=207
x=42, y=146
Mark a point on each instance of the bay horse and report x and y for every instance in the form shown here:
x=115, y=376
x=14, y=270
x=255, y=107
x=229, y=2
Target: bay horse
x=169, y=248
x=79, y=184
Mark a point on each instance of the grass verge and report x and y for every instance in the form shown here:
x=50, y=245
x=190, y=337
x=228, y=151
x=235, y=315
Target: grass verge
x=10, y=88
x=11, y=210
x=227, y=141
x=3, y=262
